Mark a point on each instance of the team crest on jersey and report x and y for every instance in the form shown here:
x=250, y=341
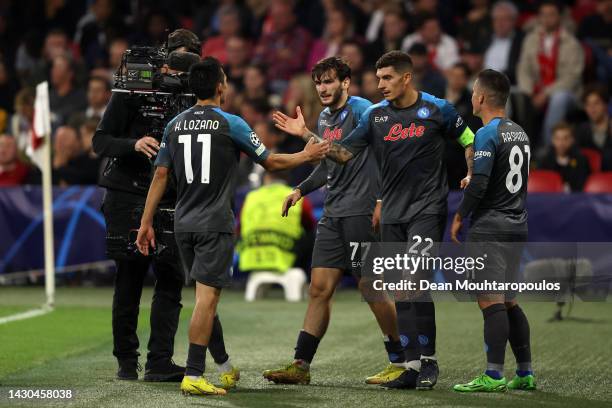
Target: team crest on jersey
x=423, y=113
x=343, y=115
x=459, y=122
x=254, y=139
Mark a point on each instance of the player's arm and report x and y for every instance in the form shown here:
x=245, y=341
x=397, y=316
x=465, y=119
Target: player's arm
x=338, y=152
x=316, y=179
x=146, y=234
x=476, y=189
x=457, y=129
x=248, y=142
x=313, y=151
x=469, y=161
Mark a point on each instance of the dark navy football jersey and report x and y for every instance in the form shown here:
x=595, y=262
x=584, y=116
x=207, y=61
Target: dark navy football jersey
x=202, y=145
x=351, y=188
x=409, y=146
x=502, y=153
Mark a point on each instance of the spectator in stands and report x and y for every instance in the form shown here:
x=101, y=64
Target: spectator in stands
x=425, y=77
x=302, y=93
x=473, y=57
x=238, y=53
x=71, y=163
x=21, y=121
x=457, y=92
x=352, y=52
x=369, y=86
x=565, y=158
x=550, y=66
x=251, y=174
x=13, y=171
x=596, y=133
x=395, y=26
x=504, y=48
x=56, y=44
x=338, y=28
x=65, y=98
x=255, y=82
x=229, y=27
x=476, y=27
x=8, y=89
x=98, y=96
x=87, y=129
x=595, y=30
x=285, y=48
x=116, y=49
x=94, y=30
x=442, y=49
x=254, y=110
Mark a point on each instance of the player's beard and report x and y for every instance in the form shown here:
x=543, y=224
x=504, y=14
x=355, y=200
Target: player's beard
x=335, y=98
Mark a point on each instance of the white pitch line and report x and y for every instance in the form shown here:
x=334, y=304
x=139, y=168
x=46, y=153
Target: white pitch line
x=25, y=315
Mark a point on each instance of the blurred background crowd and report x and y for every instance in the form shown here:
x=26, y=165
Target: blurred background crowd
x=558, y=56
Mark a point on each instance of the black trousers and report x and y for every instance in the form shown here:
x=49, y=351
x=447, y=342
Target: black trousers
x=118, y=211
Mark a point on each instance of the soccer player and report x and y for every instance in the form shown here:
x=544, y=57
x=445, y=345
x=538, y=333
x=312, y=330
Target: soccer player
x=345, y=225
x=202, y=147
x=496, y=199
x=407, y=133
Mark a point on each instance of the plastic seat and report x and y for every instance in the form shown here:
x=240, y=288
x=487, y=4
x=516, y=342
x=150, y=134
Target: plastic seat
x=545, y=181
x=293, y=282
x=599, y=183
x=594, y=158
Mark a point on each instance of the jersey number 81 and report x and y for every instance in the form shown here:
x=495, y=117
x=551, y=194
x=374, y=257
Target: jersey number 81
x=516, y=160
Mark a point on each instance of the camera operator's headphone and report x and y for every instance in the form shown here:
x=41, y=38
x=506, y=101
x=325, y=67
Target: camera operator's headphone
x=184, y=38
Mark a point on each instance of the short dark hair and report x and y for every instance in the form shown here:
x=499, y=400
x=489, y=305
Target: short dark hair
x=205, y=76
x=497, y=86
x=556, y=4
x=336, y=64
x=422, y=18
x=464, y=67
x=563, y=126
x=99, y=78
x=598, y=89
x=399, y=60
x=184, y=38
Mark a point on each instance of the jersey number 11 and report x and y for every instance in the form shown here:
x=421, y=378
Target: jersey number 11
x=203, y=138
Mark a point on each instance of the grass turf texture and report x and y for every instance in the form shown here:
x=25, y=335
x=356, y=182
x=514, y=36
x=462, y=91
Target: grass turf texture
x=71, y=348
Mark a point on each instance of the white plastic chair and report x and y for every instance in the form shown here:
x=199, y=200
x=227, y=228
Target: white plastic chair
x=293, y=282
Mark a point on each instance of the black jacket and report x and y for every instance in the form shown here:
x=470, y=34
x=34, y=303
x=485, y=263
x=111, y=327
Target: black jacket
x=121, y=126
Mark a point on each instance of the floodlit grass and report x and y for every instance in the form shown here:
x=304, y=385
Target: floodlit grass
x=71, y=348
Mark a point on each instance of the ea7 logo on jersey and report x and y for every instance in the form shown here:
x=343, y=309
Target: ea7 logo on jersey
x=254, y=139
x=380, y=119
x=481, y=153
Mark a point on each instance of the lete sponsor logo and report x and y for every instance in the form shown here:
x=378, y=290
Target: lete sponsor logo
x=398, y=132
x=335, y=134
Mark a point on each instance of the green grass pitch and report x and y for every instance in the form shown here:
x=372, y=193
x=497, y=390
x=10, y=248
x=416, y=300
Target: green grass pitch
x=71, y=348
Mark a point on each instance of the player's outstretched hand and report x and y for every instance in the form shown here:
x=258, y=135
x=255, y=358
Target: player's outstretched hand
x=147, y=145
x=316, y=151
x=465, y=182
x=291, y=200
x=294, y=126
x=456, y=228
x=145, y=239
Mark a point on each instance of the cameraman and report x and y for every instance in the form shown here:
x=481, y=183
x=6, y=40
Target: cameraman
x=123, y=135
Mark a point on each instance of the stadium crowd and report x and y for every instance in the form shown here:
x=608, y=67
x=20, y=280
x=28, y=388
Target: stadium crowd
x=557, y=54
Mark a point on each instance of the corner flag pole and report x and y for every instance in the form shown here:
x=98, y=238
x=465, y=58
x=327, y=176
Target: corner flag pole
x=42, y=145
